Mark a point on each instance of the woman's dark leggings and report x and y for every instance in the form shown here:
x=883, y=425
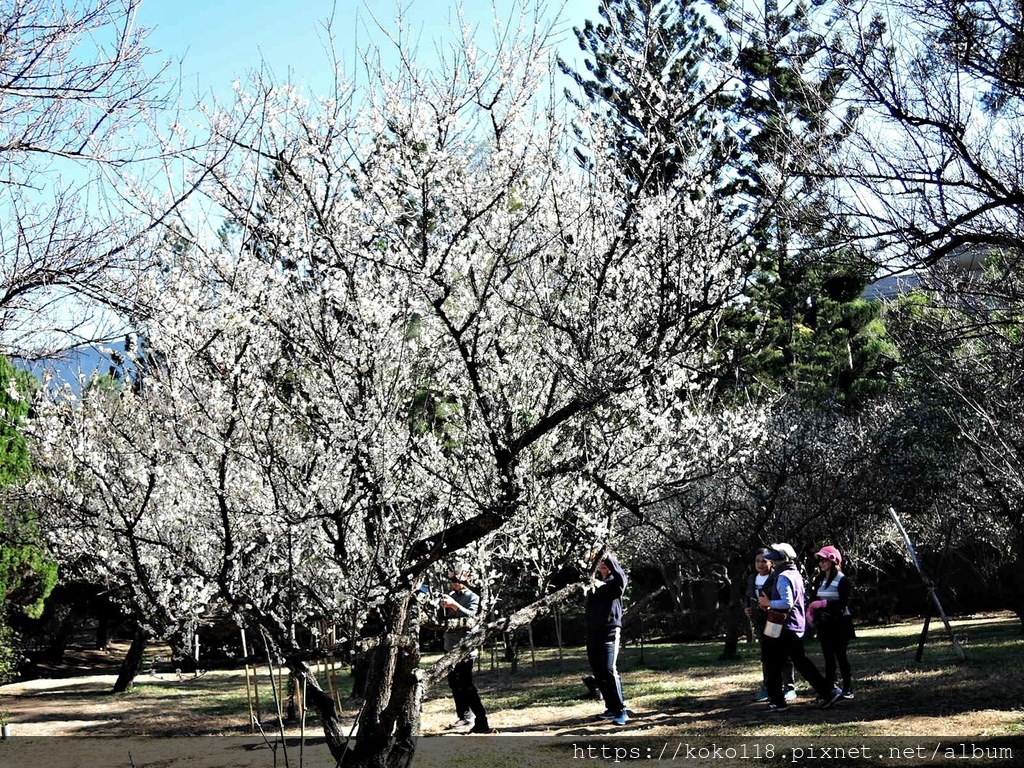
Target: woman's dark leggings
x=833, y=650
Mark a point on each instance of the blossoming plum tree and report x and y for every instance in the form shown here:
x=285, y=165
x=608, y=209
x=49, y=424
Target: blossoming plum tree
x=423, y=333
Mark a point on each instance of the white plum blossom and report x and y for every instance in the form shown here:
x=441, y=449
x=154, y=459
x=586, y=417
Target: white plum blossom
x=423, y=333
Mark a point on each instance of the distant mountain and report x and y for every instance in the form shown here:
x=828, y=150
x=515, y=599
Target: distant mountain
x=80, y=364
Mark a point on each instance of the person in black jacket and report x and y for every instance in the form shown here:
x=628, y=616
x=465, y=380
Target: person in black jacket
x=831, y=616
x=604, y=627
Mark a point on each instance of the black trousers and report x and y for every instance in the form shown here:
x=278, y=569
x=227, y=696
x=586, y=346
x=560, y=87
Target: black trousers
x=834, y=641
x=789, y=646
x=603, y=655
x=467, y=699
x=787, y=666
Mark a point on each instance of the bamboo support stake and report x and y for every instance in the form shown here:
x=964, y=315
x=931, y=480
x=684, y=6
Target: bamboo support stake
x=274, y=687
x=282, y=690
x=338, y=667
x=328, y=683
x=302, y=723
x=558, y=634
x=329, y=663
x=248, y=686
x=932, y=594
x=533, y=649
x=332, y=686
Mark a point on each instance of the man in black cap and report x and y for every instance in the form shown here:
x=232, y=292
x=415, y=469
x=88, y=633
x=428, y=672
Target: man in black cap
x=461, y=606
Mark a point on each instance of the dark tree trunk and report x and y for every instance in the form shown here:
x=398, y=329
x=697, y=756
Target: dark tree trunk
x=512, y=651
x=359, y=666
x=102, y=633
x=323, y=703
x=674, y=585
x=132, y=662
x=1010, y=580
x=735, y=620
x=59, y=643
x=182, y=651
x=389, y=722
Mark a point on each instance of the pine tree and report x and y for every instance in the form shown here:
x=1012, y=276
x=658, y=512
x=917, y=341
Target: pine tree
x=653, y=68
x=806, y=330
x=757, y=102
x=26, y=574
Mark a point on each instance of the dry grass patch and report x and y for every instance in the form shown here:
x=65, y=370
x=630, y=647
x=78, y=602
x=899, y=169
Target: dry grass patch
x=672, y=689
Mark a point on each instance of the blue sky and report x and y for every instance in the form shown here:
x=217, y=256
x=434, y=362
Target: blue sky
x=217, y=41
x=210, y=43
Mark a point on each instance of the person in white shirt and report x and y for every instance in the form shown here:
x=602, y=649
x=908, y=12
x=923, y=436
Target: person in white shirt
x=755, y=587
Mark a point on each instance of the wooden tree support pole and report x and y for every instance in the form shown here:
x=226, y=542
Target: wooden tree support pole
x=932, y=594
x=302, y=724
x=248, y=685
x=558, y=634
x=533, y=649
x=334, y=683
x=924, y=633
x=277, y=688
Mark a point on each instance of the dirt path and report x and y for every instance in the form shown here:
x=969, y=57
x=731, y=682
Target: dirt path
x=84, y=705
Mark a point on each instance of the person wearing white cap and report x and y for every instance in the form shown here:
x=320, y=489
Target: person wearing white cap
x=754, y=612
x=785, y=593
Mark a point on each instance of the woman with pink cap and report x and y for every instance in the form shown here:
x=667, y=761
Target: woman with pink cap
x=830, y=614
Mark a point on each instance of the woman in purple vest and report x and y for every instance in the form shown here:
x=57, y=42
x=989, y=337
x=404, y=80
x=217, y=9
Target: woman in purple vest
x=785, y=592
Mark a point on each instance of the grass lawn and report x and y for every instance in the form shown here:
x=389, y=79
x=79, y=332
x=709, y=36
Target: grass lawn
x=675, y=691
x=687, y=689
